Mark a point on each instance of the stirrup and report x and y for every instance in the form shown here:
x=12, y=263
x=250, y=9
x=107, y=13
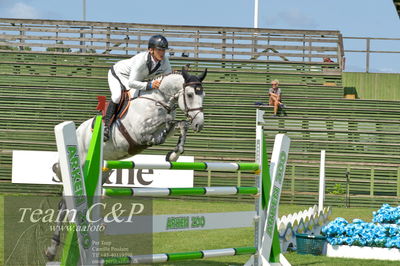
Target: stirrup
x=106, y=136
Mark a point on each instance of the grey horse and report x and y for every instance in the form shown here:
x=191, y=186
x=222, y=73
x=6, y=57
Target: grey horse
x=150, y=118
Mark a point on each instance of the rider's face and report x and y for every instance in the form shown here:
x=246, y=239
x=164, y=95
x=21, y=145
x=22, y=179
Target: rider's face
x=158, y=54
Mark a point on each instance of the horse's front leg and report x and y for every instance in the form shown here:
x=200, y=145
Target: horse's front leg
x=168, y=127
x=173, y=156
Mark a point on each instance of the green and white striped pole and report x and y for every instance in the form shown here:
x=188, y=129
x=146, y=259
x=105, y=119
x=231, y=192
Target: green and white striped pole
x=168, y=257
x=209, y=166
x=162, y=192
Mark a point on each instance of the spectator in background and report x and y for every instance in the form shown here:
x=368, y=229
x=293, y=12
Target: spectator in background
x=275, y=96
x=328, y=60
x=327, y=68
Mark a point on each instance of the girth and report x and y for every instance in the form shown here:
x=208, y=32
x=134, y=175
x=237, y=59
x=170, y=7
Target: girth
x=134, y=147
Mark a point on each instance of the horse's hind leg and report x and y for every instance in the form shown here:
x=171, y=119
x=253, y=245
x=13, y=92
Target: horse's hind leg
x=172, y=156
x=56, y=170
x=51, y=251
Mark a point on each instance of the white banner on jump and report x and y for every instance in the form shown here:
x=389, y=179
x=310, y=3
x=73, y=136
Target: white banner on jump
x=181, y=222
x=35, y=167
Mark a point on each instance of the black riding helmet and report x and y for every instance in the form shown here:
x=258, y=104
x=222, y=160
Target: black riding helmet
x=158, y=41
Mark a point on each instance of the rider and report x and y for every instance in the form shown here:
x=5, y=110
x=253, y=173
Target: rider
x=131, y=74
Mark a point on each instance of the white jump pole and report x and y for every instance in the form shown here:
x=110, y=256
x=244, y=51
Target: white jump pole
x=321, y=182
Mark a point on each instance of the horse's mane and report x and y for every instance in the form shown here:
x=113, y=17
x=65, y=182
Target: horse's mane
x=171, y=83
x=162, y=76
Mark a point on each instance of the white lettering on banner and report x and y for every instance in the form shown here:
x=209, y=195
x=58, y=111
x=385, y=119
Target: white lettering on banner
x=35, y=167
x=115, y=215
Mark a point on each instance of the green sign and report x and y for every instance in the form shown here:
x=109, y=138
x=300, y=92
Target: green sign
x=185, y=222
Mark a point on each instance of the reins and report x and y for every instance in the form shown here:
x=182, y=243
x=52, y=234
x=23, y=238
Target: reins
x=167, y=106
x=187, y=110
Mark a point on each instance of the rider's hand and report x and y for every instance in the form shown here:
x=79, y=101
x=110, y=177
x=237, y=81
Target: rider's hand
x=155, y=84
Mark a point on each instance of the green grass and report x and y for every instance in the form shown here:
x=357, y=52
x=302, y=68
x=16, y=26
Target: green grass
x=1, y=231
x=225, y=238
x=353, y=213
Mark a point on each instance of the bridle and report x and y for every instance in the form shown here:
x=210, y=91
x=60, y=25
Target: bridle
x=169, y=106
x=198, y=90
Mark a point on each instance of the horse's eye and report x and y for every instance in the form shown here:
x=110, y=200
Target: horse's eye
x=190, y=95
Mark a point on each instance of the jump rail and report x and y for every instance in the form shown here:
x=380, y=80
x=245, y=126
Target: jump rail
x=167, y=257
x=162, y=192
x=211, y=166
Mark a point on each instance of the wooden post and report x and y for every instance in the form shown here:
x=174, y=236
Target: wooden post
x=91, y=36
x=321, y=196
x=223, y=47
x=304, y=46
x=233, y=48
x=196, y=47
x=139, y=37
x=22, y=40
x=371, y=189
x=348, y=187
x=341, y=53
x=108, y=36
x=398, y=182
x=293, y=183
x=239, y=178
x=127, y=41
x=367, y=54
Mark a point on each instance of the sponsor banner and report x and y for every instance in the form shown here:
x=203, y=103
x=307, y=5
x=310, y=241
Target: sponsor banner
x=35, y=167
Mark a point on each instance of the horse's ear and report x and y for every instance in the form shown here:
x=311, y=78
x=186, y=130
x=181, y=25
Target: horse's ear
x=185, y=74
x=203, y=75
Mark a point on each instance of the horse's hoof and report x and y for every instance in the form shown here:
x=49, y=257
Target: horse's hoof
x=57, y=171
x=167, y=157
x=50, y=255
x=171, y=156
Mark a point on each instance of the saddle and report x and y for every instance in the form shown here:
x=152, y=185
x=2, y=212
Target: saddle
x=123, y=106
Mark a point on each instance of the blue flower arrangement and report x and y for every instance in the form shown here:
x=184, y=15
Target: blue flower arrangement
x=382, y=232
x=387, y=214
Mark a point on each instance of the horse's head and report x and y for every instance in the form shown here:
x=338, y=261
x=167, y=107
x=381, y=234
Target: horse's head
x=191, y=99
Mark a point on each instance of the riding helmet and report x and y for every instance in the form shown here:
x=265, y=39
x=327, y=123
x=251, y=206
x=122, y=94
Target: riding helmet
x=158, y=41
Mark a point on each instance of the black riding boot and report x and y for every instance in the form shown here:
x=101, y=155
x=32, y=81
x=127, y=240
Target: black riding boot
x=112, y=107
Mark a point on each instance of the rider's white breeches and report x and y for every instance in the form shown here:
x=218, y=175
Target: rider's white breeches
x=115, y=88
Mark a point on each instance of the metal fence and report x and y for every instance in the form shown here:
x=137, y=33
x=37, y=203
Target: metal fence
x=371, y=52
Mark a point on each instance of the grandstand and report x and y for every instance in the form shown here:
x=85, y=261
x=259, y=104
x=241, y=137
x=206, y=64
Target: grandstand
x=52, y=71
x=397, y=5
